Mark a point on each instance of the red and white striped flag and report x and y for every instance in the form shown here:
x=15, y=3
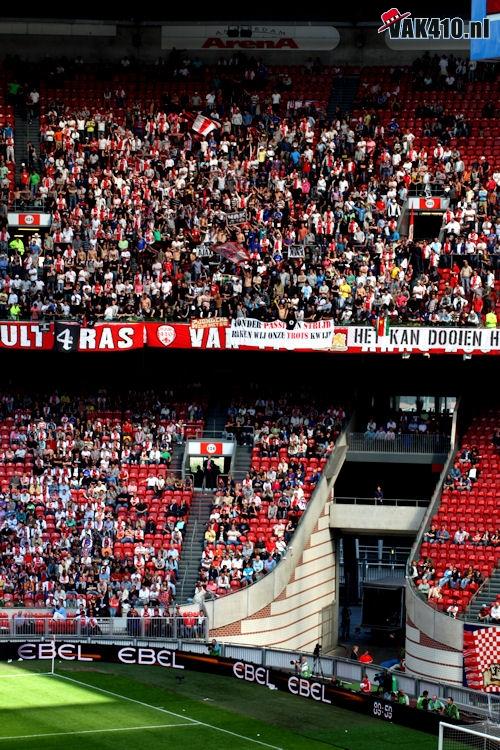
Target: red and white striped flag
x=204, y=125
x=411, y=227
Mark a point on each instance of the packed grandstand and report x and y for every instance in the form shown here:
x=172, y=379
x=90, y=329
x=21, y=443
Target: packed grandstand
x=189, y=190
x=322, y=524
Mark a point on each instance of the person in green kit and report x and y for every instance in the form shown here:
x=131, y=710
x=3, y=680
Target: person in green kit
x=34, y=182
x=13, y=91
x=451, y=711
x=490, y=319
x=18, y=245
x=15, y=311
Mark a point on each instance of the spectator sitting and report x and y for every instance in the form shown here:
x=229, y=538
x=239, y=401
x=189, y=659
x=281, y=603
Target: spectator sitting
x=460, y=536
x=423, y=701
x=495, y=612
x=436, y=705
x=365, y=685
x=451, y=710
x=402, y=698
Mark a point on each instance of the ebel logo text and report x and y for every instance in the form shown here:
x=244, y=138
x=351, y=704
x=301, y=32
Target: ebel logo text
x=163, y=658
x=65, y=651
x=251, y=673
x=401, y=25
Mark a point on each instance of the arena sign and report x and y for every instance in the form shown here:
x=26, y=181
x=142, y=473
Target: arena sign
x=250, y=36
x=29, y=220
x=248, y=334
x=327, y=692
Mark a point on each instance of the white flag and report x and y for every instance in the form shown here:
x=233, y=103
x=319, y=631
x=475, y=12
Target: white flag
x=204, y=125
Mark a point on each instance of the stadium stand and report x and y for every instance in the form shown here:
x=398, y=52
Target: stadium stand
x=251, y=523
x=7, y=147
x=91, y=509
x=270, y=208
x=462, y=545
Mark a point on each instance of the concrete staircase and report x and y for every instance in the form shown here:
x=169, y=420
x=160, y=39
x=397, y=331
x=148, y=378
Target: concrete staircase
x=343, y=93
x=241, y=462
x=193, y=545
x=215, y=420
x=177, y=458
x=25, y=132
x=486, y=595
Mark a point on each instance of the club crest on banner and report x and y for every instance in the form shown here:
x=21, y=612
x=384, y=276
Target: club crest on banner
x=166, y=334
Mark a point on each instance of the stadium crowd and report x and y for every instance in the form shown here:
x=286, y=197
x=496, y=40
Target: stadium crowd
x=266, y=210
x=252, y=521
x=460, y=548
x=403, y=423
x=90, y=515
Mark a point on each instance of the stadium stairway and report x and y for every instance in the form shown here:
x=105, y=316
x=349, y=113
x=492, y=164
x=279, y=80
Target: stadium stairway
x=486, y=596
x=192, y=547
x=24, y=133
x=216, y=419
x=241, y=463
x=175, y=465
x=343, y=93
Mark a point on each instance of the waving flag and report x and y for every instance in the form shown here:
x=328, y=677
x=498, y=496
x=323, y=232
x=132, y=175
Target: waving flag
x=482, y=659
x=204, y=125
x=232, y=251
x=411, y=228
x=381, y=325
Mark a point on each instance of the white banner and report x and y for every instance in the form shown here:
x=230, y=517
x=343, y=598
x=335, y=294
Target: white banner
x=439, y=340
x=276, y=335
x=210, y=448
x=29, y=220
x=250, y=36
x=324, y=335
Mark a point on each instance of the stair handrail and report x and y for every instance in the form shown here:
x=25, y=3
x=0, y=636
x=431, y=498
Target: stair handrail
x=484, y=588
x=190, y=550
x=436, y=497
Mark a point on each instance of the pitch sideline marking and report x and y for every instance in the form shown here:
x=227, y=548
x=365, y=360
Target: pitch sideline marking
x=166, y=711
x=27, y=674
x=92, y=731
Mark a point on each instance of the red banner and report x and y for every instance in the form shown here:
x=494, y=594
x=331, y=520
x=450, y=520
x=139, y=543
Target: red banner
x=430, y=203
x=251, y=335
x=211, y=449
x=184, y=336
x=26, y=336
x=29, y=220
x=112, y=337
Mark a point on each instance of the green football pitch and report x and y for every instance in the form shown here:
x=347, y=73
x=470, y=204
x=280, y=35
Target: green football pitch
x=117, y=707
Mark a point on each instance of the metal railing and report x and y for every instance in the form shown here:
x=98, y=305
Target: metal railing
x=195, y=626
x=380, y=553
x=186, y=556
x=370, y=572
x=423, y=615
x=396, y=502
x=422, y=190
x=483, y=705
x=407, y=443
